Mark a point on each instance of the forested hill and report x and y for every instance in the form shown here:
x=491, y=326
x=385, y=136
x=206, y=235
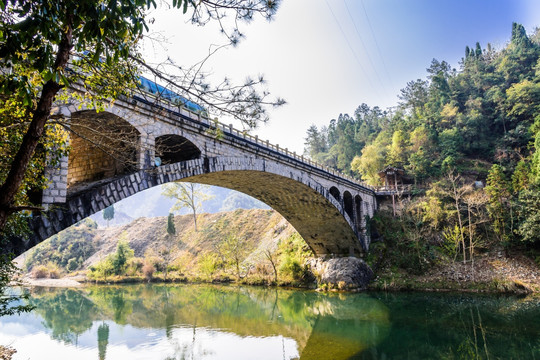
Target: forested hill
x=464, y=119
x=478, y=123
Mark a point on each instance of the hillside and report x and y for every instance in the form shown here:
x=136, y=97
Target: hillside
x=468, y=142
x=84, y=246
x=262, y=229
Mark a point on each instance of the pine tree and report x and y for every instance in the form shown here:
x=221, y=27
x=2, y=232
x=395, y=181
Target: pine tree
x=108, y=214
x=478, y=52
x=499, y=196
x=171, y=230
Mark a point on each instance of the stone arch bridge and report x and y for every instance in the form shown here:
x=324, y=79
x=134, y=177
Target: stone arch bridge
x=141, y=142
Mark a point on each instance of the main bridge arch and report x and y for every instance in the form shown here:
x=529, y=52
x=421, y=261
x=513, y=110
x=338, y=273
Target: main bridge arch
x=311, y=209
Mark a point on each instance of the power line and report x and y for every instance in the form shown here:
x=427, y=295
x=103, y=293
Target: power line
x=375, y=39
x=349, y=44
x=365, y=48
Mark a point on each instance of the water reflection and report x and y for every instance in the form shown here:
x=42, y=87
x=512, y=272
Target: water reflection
x=225, y=322
x=459, y=326
x=197, y=322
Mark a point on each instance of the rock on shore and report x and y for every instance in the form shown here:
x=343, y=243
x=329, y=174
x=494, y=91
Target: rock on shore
x=346, y=273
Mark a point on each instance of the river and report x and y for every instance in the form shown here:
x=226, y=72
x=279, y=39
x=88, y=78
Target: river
x=228, y=322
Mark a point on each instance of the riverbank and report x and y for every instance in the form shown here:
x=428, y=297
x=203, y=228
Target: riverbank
x=491, y=272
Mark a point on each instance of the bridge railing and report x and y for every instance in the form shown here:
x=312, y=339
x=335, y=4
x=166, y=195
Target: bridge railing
x=229, y=129
x=399, y=189
x=283, y=151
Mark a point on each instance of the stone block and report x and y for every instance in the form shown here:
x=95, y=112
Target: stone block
x=47, y=199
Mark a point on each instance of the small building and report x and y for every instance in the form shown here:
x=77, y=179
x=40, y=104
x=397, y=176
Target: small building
x=393, y=177
x=395, y=183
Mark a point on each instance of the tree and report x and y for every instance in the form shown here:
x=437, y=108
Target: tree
x=103, y=340
x=233, y=251
x=372, y=159
x=315, y=142
x=9, y=303
x=498, y=191
x=167, y=249
x=457, y=192
x=38, y=38
x=272, y=258
x=171, y=229
x=529, y=211
x=188, y=195
x=122, y=255
x=108, y=214
x=397, y=154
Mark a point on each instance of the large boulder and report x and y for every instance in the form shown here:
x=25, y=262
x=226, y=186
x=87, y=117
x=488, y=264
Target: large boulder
x=346, y=273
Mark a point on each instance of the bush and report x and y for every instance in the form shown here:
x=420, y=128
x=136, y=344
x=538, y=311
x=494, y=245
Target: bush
x=50, y=271
x=134, y=266
x=72, y=265
x=102, y=269
x=291, y=267
x=54, y=271
x=208, y=264
x=40, y=272
x=148, y=271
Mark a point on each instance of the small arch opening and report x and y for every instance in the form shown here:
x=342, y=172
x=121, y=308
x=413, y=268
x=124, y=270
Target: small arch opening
x=348, y=204
x=103, y=145
x=174, y=148
x=335, y=193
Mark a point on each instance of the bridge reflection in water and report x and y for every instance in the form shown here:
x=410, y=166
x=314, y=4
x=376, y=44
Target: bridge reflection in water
x=200, y=322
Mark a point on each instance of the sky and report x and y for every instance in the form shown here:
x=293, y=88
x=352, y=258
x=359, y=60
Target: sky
x=326, y=57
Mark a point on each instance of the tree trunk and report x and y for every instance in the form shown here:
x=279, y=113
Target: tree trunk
x=18, y=168
x=195, y=218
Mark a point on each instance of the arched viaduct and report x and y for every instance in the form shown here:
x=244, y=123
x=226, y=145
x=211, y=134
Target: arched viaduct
x=139, y=143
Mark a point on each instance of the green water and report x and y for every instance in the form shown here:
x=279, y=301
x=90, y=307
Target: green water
x=227, y=322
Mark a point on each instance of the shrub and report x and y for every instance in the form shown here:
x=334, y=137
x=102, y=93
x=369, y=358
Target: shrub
x=102, y=269
x=208, y=264
x=291, y=267
x=72, y=264
x=134, y=266
x=50, y=271
x=148, y=271
x=54, y=271
x=40, y=272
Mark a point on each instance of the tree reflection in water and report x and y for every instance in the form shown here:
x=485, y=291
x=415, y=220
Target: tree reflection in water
x=201, y=321
x=340, y=326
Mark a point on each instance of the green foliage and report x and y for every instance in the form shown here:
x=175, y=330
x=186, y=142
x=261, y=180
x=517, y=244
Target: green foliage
x=293, y=252
x=452, y=239
x=68, y=249
x=121, y=257
x=9, y=298
x=108, y=214
x=113, y=264
x=497, y=188
x=208, y=264
x=448, y=132
x=233, y=251
x=529, y=212
x=483, y=111
x=171, y=229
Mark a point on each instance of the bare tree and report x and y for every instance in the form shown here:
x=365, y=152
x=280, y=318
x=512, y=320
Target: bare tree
x=233, y=250
x=188, y=195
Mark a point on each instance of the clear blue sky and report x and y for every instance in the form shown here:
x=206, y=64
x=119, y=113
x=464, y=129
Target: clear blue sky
x=326, y=57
